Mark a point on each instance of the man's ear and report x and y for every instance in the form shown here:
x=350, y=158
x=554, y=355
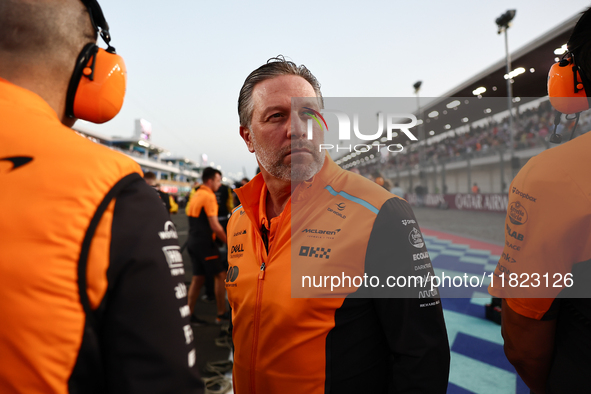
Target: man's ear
x=246, y=135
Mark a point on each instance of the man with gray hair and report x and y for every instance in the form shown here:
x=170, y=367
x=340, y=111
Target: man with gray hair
x=92, y=293
x=303, y=215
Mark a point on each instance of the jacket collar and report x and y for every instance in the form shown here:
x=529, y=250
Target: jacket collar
x=254, y=192
x=25, y=98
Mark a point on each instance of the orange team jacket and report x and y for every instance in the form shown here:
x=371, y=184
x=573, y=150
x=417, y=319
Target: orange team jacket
x=91, y=287
x=292, y=335
x=544, y=272
x=203, y=204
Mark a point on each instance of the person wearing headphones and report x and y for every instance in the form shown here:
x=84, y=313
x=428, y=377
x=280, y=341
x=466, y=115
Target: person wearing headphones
x=92, y=297
x=543, y=274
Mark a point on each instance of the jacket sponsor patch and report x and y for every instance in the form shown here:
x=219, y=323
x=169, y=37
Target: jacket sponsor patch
x=17, y=161
x=237, y=248
x=232, y=273
x=423, y=266
x=320, y=233
x=336, y=213
x=180, y=291
x=517, y=213
x=317, y=252
x=523, y=195
x=174, y=258
x=508, y=258
x=514, y=234
x=169, y=231
x=420, y=256
x=416, y=238
x=514, y=247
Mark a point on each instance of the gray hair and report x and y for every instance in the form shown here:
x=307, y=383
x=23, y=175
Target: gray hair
x=275, y=67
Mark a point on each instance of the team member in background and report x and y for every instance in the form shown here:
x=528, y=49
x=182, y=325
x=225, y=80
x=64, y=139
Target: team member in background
x=150, y=179
x=543, y=275
x=92, y=297
x=397, y=190
x=238, y=184
x=225, y=200
x=343, y=344
x=205, y=255
x=174, y=207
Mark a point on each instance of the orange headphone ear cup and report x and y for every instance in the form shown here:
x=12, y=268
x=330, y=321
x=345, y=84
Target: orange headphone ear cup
x=561, y=89
x=81, y=62
x=97, y=87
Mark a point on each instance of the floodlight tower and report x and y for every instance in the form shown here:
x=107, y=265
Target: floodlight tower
x=417, y=87
x=504, y=22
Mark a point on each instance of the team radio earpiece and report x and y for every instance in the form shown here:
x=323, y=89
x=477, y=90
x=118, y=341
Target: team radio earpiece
x=97, y=86
x=567, y=92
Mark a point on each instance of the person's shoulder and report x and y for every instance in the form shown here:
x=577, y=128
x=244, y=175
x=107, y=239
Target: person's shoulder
x=360, y=187
x=211, y=195
x=556, y=174
x=237, y=212
x=163, y=194
x=68, y=145
x=42, y=136
x=237, y=216
x=572, y=158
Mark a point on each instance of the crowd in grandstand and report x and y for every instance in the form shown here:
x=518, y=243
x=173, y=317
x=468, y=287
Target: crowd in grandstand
x=532, y=129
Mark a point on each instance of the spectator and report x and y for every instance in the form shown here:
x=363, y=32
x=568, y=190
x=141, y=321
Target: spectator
x=397, y=190
x=242, y=182
x=150, y=179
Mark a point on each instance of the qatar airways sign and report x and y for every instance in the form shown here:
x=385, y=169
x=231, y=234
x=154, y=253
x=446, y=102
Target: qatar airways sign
x=492, y=202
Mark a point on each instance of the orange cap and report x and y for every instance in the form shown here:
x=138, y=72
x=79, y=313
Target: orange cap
x=100, y=99
x=561, y=90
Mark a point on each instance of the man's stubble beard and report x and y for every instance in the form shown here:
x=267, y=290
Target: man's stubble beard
x=272, y=161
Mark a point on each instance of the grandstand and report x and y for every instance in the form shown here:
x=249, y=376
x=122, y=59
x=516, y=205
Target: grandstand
x=467, y=129
x=176, y=174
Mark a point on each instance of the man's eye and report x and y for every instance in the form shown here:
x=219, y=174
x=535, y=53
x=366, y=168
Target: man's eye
x=277, y=115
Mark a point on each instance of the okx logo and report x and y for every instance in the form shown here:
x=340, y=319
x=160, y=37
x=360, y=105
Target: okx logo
x=311, y=251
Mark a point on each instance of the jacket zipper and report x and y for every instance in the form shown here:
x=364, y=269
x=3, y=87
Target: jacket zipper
x=257, y=313
x=258, y=305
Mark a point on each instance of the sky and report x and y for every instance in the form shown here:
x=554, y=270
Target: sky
x=187, y=59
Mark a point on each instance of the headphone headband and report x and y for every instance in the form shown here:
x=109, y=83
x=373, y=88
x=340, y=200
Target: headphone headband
x=98, y=83
x=99, y=22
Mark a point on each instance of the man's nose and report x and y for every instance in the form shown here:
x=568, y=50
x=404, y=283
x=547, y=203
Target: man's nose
x=297, y=127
